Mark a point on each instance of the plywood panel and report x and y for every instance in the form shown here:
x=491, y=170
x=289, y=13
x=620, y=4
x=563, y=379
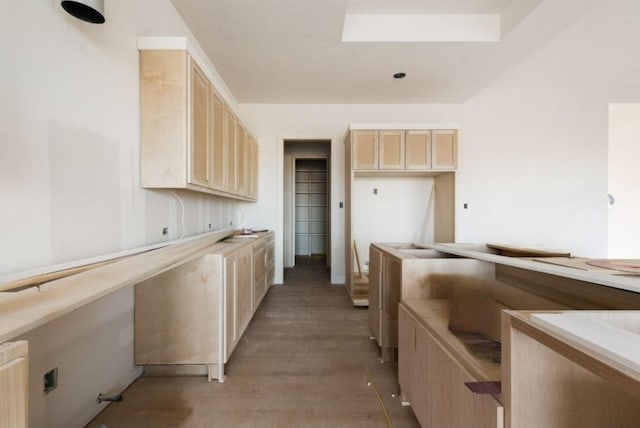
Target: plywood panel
x=547, y=389
x=391, y=150
x=444, y=149
x=169, y=323
x=200, y=127
x=418, y=150
x=365, y=150
x=566, y=291
x=14, y=369
x=163, y=118
x=444, y=194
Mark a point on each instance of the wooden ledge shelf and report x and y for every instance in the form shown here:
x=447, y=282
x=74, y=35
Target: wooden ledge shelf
x=24, y=310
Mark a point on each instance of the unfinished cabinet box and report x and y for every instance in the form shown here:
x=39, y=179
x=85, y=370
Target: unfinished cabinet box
x=571, y=369
x=432, y=381
x=189, y=136
x=195, y=314
x=389, y=155
x=548, y=377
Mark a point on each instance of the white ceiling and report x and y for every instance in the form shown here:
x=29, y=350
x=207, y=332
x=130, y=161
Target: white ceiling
x=291, y=51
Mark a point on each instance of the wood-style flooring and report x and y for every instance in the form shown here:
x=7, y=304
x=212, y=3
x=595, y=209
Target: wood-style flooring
x=299, y=364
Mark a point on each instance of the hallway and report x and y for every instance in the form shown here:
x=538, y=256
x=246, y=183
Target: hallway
x=299, y=364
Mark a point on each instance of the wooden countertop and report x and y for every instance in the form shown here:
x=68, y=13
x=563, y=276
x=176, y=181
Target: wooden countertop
x=408, y=251
x=608, y=278
x=23, y=310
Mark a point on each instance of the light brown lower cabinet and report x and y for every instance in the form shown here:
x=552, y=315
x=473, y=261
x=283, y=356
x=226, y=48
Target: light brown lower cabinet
x=433, y=382
x=14, y=385
x=188, y=320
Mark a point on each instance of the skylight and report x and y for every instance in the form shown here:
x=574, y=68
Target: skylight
x=421, y=28
x=433, y=20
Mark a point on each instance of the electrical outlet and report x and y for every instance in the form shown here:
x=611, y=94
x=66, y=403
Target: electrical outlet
x=366, y=262
x=231, y=223
x=50, y=380
x=165, y=231
x=209, y=225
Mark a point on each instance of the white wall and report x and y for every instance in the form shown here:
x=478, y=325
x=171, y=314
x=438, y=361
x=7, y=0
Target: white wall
x=624, y=180
x=69, y=182
x=272, y=124
x=533, y=161
x=401, y=209
x=533, y=146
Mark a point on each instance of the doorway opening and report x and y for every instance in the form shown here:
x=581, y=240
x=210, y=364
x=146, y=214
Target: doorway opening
x=307, y=202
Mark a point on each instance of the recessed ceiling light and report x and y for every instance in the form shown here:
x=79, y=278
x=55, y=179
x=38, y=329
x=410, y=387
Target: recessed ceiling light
x=399, y=75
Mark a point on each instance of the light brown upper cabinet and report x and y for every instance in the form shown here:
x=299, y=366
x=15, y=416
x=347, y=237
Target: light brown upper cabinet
x=365, y=150
x=392, y=150
x=417, y=150
x=400, y=150
x=219, y=163
x=243, y=163
x=200, y=170
x=444, y=151
x=253, y=170
x=232, y=152
x=189, y=136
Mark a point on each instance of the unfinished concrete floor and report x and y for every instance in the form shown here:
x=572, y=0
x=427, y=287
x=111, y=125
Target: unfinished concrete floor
x=299, y=364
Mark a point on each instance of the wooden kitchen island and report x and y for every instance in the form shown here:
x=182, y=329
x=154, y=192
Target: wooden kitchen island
x=481, y=330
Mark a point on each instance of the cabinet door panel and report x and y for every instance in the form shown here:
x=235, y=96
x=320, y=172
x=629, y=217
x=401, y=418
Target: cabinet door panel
x=417, y=150
x=374, y=302
x=232, y=151
x=406, y=354
x=391, y=281
x=14, y=369
x=200, y=127
x=218, y=175
x=444, y=149
x=365, y=150
x=231, y=330
x=241, y=176
x=391, y=150
x=244, y=278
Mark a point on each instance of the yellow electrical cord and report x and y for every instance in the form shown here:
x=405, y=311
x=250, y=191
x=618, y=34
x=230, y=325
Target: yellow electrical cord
x=373, y=385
